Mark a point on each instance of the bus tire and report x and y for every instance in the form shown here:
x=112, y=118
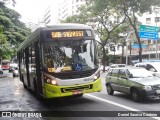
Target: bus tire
x=36, y=91
x=35, y=88
x=23, y=83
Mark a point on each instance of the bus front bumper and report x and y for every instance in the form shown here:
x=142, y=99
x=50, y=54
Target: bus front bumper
x=51, y=91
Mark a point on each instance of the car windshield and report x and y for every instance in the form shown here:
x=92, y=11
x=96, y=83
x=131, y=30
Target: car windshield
x=139, y=73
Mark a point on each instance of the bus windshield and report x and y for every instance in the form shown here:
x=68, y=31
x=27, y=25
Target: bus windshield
x=70, y=55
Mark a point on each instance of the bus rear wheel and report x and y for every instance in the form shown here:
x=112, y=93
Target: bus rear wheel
x=35, y=88
x=25, y=86
x=36, y=91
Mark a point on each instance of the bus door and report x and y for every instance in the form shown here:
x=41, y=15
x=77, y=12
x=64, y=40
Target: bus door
x=24, y=67
x=31, y=66
x=38, y=67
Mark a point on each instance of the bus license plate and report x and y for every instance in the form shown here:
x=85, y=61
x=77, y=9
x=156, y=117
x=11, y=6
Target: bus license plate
x=77, y=92
x=158, y=91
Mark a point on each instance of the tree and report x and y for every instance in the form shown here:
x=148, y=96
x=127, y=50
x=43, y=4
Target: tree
x=131, y=9
x=13, y=2
x=13, y=32
x=106, y=19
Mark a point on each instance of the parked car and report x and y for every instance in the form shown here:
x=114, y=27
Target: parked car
x=15, y=72
x=106, y=68
x=153, y=67
x=138, y=82
x=12, y=67
x=1, y=71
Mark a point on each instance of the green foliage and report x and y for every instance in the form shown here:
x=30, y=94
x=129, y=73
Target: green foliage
x=132, y=8
x=12, y=31
x=13, y=2
x=2, y=36
x=106, y=19
x=83, y=16
x=113, y=17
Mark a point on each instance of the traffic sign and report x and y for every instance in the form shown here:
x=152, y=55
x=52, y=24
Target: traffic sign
x=148, y=28
x=149, y=35
x=136, y=46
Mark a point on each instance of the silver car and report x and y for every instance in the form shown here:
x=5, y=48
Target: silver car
x=138, y=82
x=15, y=72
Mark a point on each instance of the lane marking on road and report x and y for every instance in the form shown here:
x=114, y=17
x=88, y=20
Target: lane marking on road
x=117, y=104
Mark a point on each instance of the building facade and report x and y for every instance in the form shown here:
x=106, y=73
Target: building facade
x=60, y=11
x=151, y=51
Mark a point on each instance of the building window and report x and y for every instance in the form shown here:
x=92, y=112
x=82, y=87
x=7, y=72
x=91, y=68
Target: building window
x=157, y=19
x=148, y=20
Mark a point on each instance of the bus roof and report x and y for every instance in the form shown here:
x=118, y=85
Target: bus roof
x=62, y=26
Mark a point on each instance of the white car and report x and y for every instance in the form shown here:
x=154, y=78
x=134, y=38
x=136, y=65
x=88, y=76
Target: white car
x=153, y=67
x=117, y=65
x=106, y=68
x=15, y=72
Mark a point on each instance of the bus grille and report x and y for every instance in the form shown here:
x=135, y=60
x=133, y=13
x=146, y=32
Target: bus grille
x=72, y=89
x=75, y=75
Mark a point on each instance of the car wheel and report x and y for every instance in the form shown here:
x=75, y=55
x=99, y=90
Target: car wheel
x=110, y=91
x=135, y=96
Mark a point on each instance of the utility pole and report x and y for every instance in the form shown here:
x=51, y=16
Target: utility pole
x=156, y=10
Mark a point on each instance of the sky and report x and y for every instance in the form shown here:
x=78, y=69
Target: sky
x=31, y=10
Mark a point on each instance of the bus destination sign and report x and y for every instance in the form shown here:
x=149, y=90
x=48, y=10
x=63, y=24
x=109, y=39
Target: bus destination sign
x=65, y=34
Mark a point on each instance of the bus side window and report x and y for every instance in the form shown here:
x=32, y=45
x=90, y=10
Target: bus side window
x=84, y=48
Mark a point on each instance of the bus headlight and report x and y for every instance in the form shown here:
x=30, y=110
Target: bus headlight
x=54, y=82
x=97, y=76
x=51, y=81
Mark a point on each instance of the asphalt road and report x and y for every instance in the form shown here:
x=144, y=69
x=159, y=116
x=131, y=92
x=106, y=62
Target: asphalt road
x=13, y=97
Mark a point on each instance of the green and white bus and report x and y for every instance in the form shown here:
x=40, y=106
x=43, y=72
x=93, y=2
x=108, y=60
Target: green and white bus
x=60, y=60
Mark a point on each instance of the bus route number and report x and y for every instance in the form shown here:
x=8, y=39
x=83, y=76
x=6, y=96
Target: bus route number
x=67, y=34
